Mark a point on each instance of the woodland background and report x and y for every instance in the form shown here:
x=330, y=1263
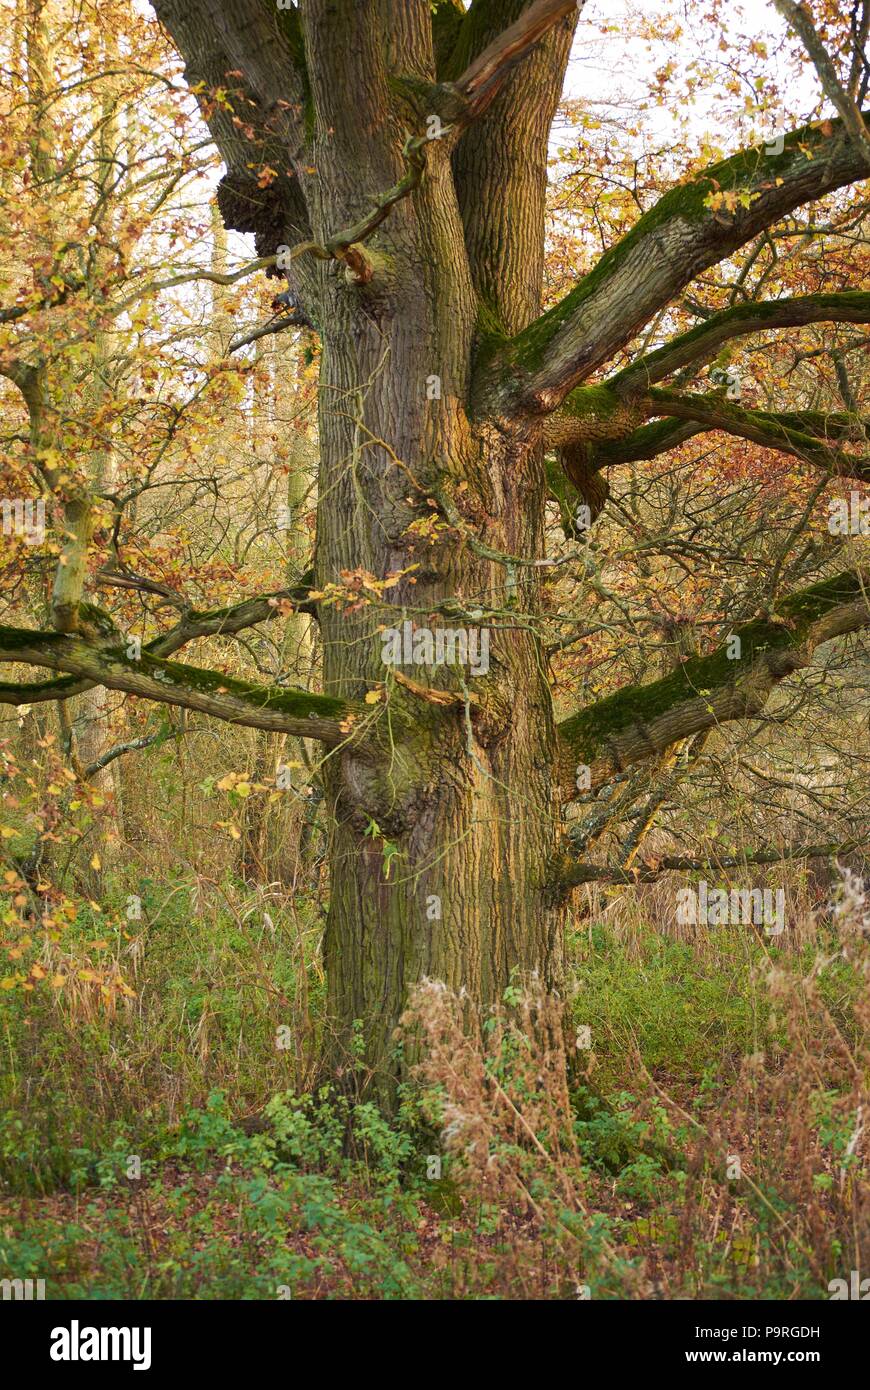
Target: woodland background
x=165, y=1129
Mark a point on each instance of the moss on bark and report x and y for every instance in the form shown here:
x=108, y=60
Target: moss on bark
x=587, y=732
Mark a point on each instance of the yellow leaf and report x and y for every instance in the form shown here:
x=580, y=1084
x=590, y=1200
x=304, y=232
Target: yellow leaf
x=95, y=861
x=58, y=981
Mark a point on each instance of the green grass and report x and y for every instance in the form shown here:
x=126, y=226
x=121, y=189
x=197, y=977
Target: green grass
x=684, y=1014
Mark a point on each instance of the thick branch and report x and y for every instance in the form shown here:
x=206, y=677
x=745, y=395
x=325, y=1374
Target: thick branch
x=640, y=723
x=648, y=442
x=486, y=74
x=603, y=429
x=210, y=692
x=500, y=164
x=651, y=440
x=764, y=428
x=258, y=118
x=694, y=225
x=216, y=622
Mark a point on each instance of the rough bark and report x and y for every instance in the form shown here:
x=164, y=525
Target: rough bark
x=462, y=899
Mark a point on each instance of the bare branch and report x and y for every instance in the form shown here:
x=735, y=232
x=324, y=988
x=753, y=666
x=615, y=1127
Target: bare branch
x=571, y=874
x=801, y=21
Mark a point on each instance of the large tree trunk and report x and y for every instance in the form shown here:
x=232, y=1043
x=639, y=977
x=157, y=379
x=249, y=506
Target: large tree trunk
x=463, y=791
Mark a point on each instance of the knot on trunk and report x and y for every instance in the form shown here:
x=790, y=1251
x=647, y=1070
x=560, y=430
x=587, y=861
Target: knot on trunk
x=246, y=207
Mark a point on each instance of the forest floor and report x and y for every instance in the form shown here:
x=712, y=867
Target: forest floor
x=160, y=1144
